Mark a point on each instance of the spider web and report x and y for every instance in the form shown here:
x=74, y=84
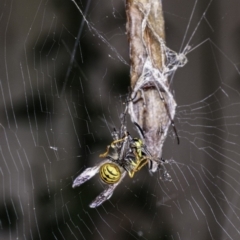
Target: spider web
x=63, y=82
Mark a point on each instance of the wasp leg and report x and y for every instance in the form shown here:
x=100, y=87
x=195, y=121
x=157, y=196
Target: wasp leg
x=137, y=166
x=112, y=145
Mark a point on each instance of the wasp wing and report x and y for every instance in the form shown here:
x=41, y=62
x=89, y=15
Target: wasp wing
x=87, y=174
x=107, y=193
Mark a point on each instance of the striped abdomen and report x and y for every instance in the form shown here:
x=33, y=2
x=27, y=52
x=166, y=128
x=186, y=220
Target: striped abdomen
x=110, y=173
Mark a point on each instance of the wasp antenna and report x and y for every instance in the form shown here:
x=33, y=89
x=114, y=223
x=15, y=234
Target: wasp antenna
x=175, y=131
x=140, y=129
x=178, y=141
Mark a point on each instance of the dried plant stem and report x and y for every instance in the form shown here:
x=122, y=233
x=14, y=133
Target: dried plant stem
x=145, y=27
x=145, y=24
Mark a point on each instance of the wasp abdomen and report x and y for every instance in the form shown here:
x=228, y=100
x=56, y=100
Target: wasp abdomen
x=110, y=173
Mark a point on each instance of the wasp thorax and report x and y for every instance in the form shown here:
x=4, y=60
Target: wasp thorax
x=110, y=173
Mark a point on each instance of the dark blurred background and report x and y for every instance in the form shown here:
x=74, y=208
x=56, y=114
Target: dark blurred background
x=63, y=83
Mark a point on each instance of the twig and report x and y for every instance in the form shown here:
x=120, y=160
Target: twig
x=152, y=105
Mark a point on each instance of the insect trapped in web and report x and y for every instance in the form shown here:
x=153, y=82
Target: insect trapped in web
x=124, y=155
